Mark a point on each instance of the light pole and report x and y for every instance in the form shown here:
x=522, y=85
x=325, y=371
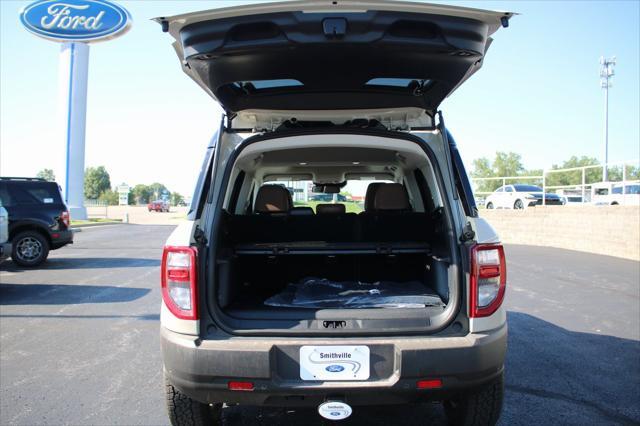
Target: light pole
x=606, y=77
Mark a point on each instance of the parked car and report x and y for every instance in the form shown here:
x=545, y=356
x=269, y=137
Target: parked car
x=612, y=193
x=38, y=218
x=158, y=206
x=520, y=196
x=5, y=245
x=265, y=303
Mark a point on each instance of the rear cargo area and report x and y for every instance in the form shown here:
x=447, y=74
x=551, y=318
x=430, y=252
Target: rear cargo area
x=324, y=232
x=292, y=266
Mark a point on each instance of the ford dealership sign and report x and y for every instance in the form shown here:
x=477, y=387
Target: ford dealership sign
x=75, y=20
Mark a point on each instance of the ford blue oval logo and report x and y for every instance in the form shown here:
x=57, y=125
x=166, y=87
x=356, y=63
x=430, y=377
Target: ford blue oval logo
x=334, y=368
x=75, y=20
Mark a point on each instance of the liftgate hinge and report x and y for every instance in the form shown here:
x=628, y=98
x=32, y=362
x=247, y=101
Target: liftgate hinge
x=468, y=233
x=198, y=235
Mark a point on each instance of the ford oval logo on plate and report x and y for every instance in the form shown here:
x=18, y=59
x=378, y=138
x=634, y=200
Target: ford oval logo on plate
x=334, y=368
x=75, y=20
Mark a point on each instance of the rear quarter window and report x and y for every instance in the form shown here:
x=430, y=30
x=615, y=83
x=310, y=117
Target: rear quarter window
x=35, y=194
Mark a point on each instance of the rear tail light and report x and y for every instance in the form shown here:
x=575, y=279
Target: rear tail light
x=179, y=279
x=65, y=218
x=488, y=279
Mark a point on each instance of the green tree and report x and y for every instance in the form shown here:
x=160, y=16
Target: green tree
x=142, y=193
x=157, y=190
x=176, y=198
x=96, y=181
x=507, y=164
x=574, y=177
x=110, y=197
x=47, y=174
x=504, y=164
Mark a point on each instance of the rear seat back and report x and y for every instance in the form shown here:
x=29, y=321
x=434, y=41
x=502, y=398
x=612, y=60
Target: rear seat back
x=391, y=220
x=331, y=209
x=276, y=228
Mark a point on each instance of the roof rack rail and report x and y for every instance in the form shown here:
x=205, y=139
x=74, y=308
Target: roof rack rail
x=22, y=178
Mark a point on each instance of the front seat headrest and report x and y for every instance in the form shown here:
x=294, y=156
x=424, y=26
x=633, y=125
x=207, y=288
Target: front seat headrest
x=370, y=196
x=391, y=197
x=273, y=199
x=331, y=209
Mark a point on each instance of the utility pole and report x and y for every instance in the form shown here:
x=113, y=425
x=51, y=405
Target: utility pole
x=606, y=77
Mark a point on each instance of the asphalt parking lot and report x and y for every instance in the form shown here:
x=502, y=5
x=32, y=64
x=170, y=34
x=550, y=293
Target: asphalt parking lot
x=79, y=339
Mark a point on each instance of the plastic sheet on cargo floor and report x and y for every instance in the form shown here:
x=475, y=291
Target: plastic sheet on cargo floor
x=314, y=292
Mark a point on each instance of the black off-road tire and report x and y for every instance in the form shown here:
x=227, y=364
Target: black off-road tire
x=29, y=249
x=480, y=408
x=184, y=411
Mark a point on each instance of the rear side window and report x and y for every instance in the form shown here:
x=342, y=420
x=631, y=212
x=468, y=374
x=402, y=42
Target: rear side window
x=35, y=194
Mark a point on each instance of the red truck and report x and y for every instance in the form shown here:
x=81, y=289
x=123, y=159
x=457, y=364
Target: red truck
x=158, y=206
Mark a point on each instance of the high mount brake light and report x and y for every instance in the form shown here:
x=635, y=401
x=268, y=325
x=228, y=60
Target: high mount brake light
x=488, y=279
x=179, y=281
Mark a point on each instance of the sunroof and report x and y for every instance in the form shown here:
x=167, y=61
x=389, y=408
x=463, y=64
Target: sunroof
x=270, y=84
x=394, y=82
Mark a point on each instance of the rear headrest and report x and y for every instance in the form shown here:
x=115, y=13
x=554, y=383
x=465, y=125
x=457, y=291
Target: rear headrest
x=331, y=209
x=273, y=199
x=370, y=196
x=301, y=211
x=391, y=197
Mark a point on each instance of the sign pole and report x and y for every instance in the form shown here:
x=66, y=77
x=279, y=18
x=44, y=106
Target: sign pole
x=74, y=68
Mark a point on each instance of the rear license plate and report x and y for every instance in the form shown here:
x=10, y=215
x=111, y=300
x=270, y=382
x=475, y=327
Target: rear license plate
x=334, y=363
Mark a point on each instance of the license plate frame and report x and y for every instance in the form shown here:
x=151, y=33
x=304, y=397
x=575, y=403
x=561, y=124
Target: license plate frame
x=335, y=363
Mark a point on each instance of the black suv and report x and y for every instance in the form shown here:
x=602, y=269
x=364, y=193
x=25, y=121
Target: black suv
x=38, y=218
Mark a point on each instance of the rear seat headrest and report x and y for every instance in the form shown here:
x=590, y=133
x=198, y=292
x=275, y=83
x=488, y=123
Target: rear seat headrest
x=331, y=209
x=273, y=199
x=371, y=195
x=301, y=211
x=391, y=197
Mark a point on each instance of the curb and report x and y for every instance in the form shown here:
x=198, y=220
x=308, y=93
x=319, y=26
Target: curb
x=91, y=225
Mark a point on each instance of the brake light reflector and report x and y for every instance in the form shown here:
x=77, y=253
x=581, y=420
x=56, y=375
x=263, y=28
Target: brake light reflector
x=65, y=218
x=488, y=279
x=429, y=384
x=240, y=386
x=179, y=281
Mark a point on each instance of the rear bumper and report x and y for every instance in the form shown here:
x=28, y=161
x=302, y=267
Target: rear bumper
x=63, y=238
x=203, y=368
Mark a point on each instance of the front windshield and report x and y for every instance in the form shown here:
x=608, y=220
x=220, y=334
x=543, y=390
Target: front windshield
x=351, y=195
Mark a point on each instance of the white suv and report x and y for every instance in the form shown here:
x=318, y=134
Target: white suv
x=270, y=297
